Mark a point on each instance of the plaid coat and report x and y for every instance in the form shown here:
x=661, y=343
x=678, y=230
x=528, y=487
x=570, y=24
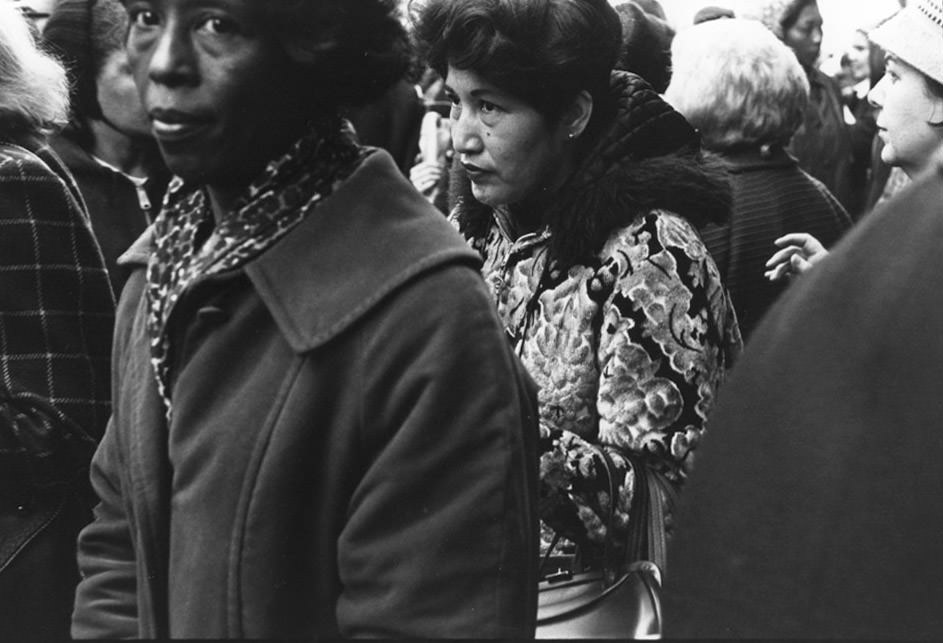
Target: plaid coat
x=56, y=321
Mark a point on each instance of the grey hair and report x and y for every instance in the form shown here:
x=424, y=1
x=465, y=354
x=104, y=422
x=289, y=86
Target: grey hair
x=34, y=91
x=737, y=83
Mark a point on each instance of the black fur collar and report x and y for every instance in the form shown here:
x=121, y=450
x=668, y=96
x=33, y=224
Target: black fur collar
x=645, y=157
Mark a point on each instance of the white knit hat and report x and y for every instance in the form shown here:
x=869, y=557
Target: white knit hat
x=915, y=35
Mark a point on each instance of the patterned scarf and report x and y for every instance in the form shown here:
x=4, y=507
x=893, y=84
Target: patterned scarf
x=286, y=192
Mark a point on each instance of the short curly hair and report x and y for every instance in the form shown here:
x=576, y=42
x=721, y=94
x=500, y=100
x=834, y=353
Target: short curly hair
x=738, y=84
x=355, y=49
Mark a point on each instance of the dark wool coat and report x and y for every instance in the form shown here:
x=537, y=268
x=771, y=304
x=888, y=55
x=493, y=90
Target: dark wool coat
x=771, y=197
x=56, y=320
x=814, y=508
x=823, y=142
x=352, y=450
x=116, y=208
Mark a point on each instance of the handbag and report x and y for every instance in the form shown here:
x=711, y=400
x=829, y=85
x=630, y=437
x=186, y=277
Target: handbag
x=620, y=600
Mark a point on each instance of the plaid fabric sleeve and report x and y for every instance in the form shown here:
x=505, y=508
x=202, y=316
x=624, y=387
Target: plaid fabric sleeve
x=56, y=306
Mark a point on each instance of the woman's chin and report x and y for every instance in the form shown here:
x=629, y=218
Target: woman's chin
x=488, y=196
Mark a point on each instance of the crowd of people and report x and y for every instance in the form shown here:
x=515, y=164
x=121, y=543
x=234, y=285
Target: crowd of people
x=344, y=318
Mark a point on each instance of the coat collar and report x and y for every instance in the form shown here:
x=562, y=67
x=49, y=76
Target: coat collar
x=371, y=236
x=750, y=159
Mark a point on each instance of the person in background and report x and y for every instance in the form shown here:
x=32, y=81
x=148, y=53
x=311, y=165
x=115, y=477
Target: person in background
x=37, y=12
x=582, y=190
x=430, y=171
x=652, y=8
x=646, y=49
x=391, y=122
x=56, y=319
x=815, y=513
x=862, y=74
x=823, y=143
x=712, y=12
x=108, y=145
x=746, y=94
x=909, y=104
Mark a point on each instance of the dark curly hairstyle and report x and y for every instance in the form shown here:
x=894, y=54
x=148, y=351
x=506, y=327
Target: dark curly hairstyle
x=355, y=48
x=543, y=51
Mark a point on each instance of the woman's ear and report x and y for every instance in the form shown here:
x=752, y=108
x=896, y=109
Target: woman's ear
x=936, y=110
x=577, y=116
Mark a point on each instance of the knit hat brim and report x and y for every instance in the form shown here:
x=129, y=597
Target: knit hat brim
x=915, y=35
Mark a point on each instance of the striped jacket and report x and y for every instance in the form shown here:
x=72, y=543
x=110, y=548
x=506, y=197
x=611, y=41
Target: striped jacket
x=772, y=196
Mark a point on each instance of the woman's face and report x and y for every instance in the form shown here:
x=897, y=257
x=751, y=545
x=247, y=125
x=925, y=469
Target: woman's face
x=858, y=55
x=906, y=109
x=216, y=87
x=510, y=151
x=804, y=37
x=118, y=96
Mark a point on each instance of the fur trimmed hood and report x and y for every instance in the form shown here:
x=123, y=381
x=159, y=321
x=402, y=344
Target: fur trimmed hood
x=646, y=157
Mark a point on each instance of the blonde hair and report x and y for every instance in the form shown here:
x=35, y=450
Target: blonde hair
x=737, y=83
x=34, y=91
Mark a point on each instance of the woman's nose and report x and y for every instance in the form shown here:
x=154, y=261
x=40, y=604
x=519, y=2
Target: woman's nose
x=172, y=58
x=465, y=136
x=876, y=95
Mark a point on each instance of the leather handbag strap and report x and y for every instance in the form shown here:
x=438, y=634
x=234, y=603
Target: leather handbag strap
x=647, y=539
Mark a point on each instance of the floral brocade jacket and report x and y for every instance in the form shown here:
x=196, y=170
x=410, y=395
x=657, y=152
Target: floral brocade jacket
x=628, y=351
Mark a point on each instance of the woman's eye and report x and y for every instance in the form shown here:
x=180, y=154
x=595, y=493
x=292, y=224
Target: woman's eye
x=220, y=26
x=142, y=19
x=488, y=108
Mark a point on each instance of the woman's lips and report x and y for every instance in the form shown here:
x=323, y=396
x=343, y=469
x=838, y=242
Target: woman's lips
x=473, y=171
x=172, y=126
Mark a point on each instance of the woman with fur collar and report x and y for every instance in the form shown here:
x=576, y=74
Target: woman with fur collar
x=583, y=191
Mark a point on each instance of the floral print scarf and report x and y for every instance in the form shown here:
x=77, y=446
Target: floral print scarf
x=285, y=193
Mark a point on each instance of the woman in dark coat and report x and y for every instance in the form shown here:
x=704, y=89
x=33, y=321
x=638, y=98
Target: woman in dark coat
x=582, y=190
x=56, y=318
x=319, y=427
x=823, y=142
x=746, y=94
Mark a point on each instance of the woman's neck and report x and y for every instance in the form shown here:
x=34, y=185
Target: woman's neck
x=223, y=199
x=118, y=149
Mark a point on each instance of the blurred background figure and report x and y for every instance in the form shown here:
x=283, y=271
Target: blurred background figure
x=430, y=171
x=646, y=43
x=746, y=93
x=56, y=319
x=712, y=12
x=909, y=103
x=392, y=122
x=822, y=144
x=107, y=145
x=814, y=512
x=36, y=11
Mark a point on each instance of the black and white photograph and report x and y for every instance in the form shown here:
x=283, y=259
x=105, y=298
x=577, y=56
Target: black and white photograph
x=489, y=319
